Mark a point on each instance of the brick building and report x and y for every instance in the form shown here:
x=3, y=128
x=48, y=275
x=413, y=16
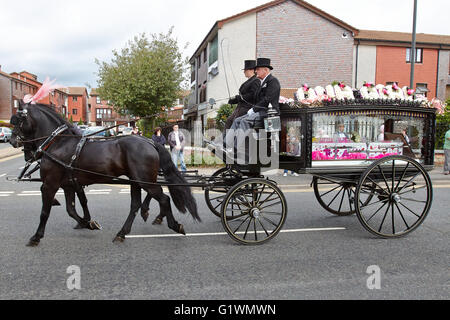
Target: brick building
x=306, y=45
x=102, y=113
x=385, y=57
x=78, y=104
x=14, y=86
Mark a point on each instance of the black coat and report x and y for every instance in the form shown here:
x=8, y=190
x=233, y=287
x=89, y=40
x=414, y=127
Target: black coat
x=269, y=92
x=245, y=100
x=247, y=93
x=159, y=139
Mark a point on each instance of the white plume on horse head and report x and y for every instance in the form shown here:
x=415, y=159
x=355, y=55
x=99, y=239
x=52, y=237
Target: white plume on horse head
x=47, y=87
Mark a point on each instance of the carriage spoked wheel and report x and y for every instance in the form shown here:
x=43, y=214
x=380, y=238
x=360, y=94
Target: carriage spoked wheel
x=402, y=196
x=214, y=196
x=254, y=211
x=337, y=197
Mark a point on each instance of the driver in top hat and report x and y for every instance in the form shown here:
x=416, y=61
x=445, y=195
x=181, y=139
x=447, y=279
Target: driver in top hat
x=268, y=93
x=247, y=93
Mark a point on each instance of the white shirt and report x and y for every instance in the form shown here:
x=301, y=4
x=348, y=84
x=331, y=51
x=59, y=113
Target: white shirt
x=177, y=139
x=264, y=78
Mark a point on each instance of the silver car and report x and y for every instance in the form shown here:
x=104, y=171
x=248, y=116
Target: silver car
x=5, y=134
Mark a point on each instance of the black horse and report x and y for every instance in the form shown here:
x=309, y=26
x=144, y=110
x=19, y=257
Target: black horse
x=100, y=162
x=69, y=191
x=30, y=148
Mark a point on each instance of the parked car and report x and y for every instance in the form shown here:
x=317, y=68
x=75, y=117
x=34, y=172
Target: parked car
x=127, y=131
x=5, y=134
x=107, y=133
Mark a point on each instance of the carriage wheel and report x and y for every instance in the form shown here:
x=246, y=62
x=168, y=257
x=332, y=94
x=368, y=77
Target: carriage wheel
x=402, y=193
x=337, y=197
x=214, y=196
x=254, y=211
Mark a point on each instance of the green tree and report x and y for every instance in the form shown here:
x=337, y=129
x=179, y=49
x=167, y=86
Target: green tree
x=223, y=113
x=442, y=126
x=143, y=77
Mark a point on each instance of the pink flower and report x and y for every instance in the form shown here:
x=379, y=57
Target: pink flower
x=385, y=91
x=395, y=86
x=341, y=85
x=410, y=92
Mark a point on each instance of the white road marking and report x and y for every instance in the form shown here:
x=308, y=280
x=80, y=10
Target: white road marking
x=100, y=190
x=224, y=233
x=6, y=192
x=2, y=175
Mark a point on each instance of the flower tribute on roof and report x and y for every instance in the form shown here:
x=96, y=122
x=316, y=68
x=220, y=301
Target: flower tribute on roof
x=338, y=93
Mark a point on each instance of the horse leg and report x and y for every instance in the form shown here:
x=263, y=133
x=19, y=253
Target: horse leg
x=93, y=225
x=145, y=207
x=145, y=211
x=48, y=192
x=166, y=210
x=69, y=194
x=135, y=205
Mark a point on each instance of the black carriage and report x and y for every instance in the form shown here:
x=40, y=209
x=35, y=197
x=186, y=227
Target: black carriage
x=368, y=157
x=380, y=176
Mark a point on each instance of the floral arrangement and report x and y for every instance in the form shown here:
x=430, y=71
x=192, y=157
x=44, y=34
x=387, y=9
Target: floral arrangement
x=385, y=98
x=305, y=88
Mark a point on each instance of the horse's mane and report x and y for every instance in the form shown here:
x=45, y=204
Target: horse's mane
x=55, y=116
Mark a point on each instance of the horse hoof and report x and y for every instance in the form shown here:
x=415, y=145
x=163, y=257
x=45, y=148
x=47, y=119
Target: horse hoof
x=157, y=221
x=119, y=239
x=32, y=243
x=181, y=229
x=94, y=225
x=144, y=215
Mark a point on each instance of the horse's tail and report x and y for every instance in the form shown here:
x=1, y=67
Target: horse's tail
x=181, y=195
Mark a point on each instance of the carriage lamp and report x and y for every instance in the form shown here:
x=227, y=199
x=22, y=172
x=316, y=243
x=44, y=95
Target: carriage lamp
x=272, y=123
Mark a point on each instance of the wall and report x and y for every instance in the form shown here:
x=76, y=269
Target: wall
x=304, y=47
x=5, y=98
x=236, y=42
x=392, y=66
x=365, y=69
x=443, y=76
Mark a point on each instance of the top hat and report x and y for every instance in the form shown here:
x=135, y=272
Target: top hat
x=249, y=64
x=263, y=62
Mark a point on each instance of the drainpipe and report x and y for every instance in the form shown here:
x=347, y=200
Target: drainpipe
x=356, y=64
x=413, y=47
x=437, y=73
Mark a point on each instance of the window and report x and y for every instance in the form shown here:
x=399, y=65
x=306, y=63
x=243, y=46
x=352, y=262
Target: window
x=74, y=111
x=419, y=55
x=74, y=99
x=103, y=113
x=204, y=56
x=364, y=135
x=422, y=88
x=98, y=100
x=203, y=93
x=213, y=50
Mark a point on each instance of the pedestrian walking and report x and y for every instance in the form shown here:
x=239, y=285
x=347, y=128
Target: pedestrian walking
x=176, y=142
x=158, y=136
x=447, y=153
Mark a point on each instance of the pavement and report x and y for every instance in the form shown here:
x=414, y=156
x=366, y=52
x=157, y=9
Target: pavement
x=9, y=151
